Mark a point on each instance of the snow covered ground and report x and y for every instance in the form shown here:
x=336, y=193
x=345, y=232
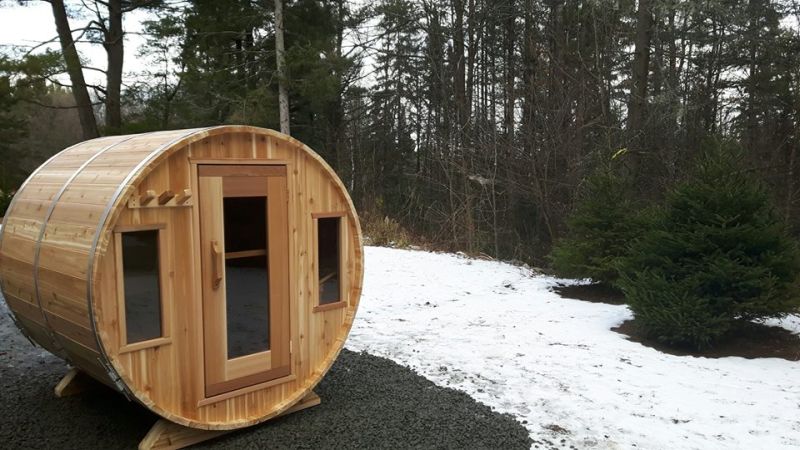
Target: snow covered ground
x=496, y=332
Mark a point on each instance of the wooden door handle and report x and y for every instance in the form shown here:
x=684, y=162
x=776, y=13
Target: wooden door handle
x=216, y=265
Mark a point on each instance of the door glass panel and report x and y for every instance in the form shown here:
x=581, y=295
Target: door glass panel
x=246, y=275
x=245, y=221
x=247, y=289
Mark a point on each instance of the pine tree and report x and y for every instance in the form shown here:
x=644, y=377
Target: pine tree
x=22, y=89
x=599, y=230
x=10, y=126
x=716, y=257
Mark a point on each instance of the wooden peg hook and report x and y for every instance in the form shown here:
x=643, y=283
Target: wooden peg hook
x=148, y=197
x=165, y=197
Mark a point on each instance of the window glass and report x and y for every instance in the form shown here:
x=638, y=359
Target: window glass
x=141, y=278
x=328, y=259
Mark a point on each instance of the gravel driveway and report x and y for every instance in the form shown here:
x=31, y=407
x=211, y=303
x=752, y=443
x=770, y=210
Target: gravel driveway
x=367, y=402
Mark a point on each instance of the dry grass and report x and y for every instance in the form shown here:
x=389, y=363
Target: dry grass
x=385, y=232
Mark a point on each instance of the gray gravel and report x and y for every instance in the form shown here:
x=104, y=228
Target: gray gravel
x=367, y=402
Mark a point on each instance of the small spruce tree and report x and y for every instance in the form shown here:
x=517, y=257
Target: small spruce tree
x=599, y=229
x=716, y=256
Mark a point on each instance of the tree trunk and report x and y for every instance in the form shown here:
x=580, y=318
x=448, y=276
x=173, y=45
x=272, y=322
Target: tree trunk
x=473, y=38
x=336, y=125
x=462, y=118
x=460, y=67
x=752, y=76
x=75, y=71
x=280, y=56
x=113, y=44
x=510, y=75
x=790, y=173
x=641, y=69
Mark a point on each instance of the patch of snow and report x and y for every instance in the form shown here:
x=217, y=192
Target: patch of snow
x=496, y=332
x=791, y=323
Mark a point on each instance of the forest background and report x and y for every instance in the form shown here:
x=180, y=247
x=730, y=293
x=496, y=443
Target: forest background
x=469, y=125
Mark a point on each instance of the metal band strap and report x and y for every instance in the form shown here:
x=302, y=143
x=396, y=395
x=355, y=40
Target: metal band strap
x=112, y=373
x=11, y=206
x=38, y=248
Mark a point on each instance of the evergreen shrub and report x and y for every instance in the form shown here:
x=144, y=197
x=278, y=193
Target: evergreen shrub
x=715, y=257
x=599, y=230
x=5, y=200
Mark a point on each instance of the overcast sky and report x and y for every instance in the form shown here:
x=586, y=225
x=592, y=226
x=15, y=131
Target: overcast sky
x=32, y=24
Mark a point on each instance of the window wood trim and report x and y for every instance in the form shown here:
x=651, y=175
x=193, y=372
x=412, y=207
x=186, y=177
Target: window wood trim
x=328, y=215
x=140, y=227
x=239, y=161
x=157, y=342
x=233, y=170
x=245, y=254
x=163, y=281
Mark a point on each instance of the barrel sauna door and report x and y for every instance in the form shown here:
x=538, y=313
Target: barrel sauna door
x=244, y=247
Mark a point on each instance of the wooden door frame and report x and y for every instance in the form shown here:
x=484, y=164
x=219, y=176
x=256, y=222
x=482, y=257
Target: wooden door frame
x=252, y=383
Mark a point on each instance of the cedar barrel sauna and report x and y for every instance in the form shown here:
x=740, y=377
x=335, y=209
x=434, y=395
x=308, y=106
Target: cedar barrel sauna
x=210, y=274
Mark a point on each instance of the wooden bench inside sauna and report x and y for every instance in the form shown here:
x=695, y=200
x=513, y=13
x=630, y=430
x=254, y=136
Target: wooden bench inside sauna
x=210, y=274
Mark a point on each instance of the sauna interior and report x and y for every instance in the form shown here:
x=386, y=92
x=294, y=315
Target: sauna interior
x=210, y=274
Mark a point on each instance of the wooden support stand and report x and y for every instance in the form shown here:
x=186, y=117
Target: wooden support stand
x=165, y=435
x=73, y=383
x=168, y=435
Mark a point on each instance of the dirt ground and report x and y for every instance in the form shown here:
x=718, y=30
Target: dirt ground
x=595, y=293
x=751, y=341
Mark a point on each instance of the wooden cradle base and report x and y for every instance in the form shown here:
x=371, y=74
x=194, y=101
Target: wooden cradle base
x=165, y=435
